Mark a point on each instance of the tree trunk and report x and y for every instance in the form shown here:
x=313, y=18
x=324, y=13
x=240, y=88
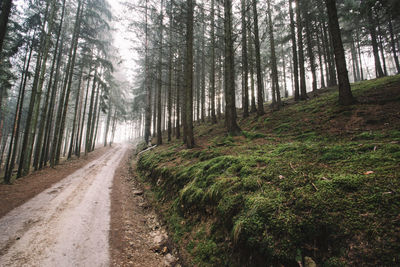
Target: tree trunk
x=42, y=129
x=245, y=68
x=90, y=115
x=374, y=42
x=253, y=108
x=147, y=126
x=78, y=93
x=189, y=75
x=49, y=120
x=274, y=65
x=303, y=89
x=345, y=95
x=203, y=69
x=212, y=72
x=160, y=54
x=4, y=15
x=178, y=97
x=170, y=65
x=13, y=147
x=393, y=45
x=321, y=66
x=294, y=53
x=79, y=144
x=260, y=89
x=25, y=143
x=71, y=73
x=230, y=110
x=310, y=46
x=107, y=124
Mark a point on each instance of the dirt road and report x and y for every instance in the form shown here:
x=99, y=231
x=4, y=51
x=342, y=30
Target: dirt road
x=67, y=224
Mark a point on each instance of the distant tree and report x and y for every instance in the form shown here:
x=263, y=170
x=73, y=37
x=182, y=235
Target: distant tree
x=245, y=68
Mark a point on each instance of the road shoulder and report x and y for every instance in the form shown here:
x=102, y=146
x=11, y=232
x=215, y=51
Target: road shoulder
x=136, y=236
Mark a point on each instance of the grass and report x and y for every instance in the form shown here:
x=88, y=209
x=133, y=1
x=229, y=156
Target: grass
x=293, y=186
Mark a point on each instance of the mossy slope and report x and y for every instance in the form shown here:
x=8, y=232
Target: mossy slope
x=314, y=179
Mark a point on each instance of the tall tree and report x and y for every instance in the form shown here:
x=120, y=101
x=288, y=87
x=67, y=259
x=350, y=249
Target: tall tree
x=230, y=110
x=4, y=15
x=212, y=71
x=345, y=95
x=189, y=76
x=245, y=69
x=159, y=80
x=274, y=66
x=147, y=82
x=294, y=52
x=260, y=84
x=303, y=89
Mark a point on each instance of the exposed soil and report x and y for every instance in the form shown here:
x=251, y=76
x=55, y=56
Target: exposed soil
x=136, y=236
x=27, y=187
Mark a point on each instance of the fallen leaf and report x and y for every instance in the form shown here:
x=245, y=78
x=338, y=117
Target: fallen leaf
x=281, y=177
x=368, y=172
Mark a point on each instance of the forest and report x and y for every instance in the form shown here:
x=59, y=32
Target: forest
x=268, y=130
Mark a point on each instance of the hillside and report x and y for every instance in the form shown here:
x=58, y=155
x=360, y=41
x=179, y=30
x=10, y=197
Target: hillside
x=312, y=182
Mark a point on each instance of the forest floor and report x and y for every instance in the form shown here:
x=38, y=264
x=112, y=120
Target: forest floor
x=82, y=213
x=312, y=182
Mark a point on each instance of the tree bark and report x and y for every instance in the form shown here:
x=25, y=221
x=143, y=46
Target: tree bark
x=27, y=132
x=189, y=75
x=245, y=67
x=345, y=95
x=393, y=45
x=212, y=72
x=4, y=16
x=274, y=65
x=303, y=89
x=147, y=127
x=159, y=80
x=230, y=110
x=294, y=53
x=260, y=87
x=374, y=43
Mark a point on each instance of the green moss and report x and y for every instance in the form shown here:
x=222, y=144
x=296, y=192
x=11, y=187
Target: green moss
x=208, y=253
x=296, y=191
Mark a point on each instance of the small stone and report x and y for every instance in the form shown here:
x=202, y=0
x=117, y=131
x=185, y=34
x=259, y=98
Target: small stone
x=309, y=262
x=138, y=192
x=169, y=259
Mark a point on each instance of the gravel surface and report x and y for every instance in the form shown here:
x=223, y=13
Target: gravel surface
x=67, y=224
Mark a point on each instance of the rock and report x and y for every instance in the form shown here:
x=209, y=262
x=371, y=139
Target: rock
x=159, y=239
x=164, y=250
x=138, y=192
x=308, y=262
x=169, y=260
